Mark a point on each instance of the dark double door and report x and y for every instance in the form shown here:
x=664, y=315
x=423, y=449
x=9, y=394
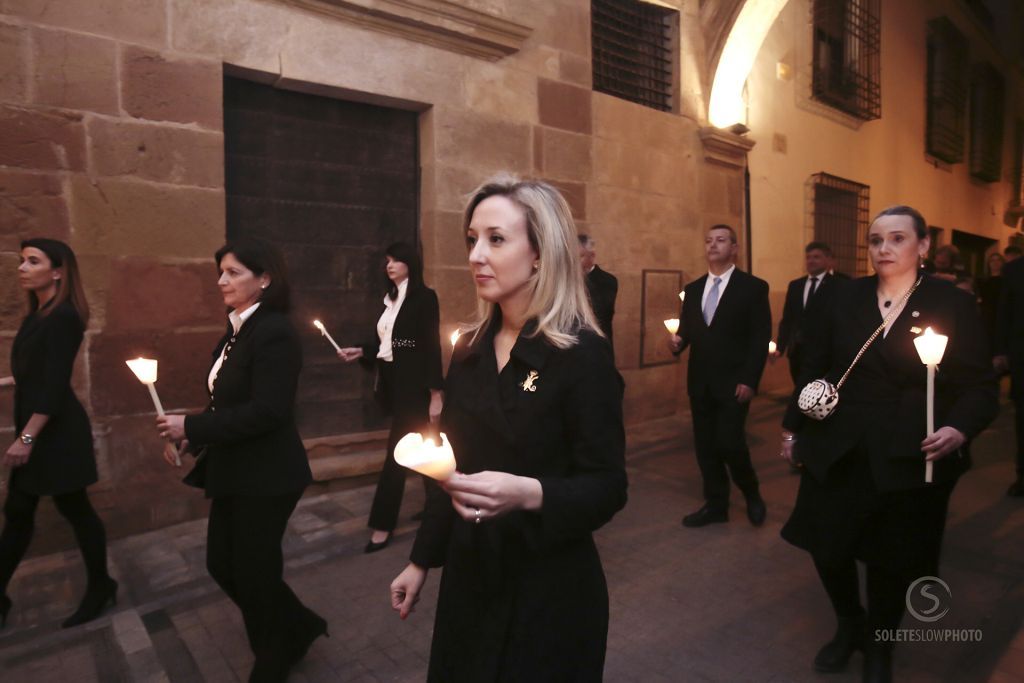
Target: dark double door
x=332, y=183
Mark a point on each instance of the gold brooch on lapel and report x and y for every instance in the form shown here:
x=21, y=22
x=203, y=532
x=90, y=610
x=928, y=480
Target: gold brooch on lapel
x=915, y=330
x=528, y=383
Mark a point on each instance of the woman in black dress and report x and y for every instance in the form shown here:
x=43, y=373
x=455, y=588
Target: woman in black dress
x=533, y=411
x=252, y=463
x=406, y=354
x=53, y=452
x=863, y=494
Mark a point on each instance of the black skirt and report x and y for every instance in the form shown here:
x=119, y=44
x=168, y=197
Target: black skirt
x=845, y=518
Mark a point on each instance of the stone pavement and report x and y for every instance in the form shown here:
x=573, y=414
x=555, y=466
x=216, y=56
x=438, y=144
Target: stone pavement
x=724, y=603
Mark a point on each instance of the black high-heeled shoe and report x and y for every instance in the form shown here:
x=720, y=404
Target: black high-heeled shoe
x=5, y=607
x=849, y=637
x=95, y=601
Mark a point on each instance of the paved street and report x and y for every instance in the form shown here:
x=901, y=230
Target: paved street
x=725, y=603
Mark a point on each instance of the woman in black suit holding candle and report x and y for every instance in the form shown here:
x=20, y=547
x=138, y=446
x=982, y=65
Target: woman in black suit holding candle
x=533, y=412
x=863, y=494
x=252, y=463
x=406, y=354
x=52, y=454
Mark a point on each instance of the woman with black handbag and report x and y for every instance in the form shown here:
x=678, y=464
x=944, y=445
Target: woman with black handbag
x=406, y=354
x=52, y=454
x=863, y=493
x=252, y=462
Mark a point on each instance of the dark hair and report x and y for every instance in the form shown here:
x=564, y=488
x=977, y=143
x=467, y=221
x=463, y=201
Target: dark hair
x=1013, y=249
x=69, y=286
x=585, y=240
x=262, y=257
x=723, y=226
x=407, y=254
x=920, y=226
x=818, y=246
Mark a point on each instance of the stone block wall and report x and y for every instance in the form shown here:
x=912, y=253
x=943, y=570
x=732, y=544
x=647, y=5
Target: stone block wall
x=111, y=137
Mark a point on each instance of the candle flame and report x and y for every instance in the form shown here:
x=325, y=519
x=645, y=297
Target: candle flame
x=455, y=336
x=318, y=325
x=421, y=455
x=931, y=346
x=682, y=296
x=145, y=369
x=772, y=347
x=672, y=325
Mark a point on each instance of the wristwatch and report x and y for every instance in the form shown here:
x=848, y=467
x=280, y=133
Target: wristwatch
x=27, y=439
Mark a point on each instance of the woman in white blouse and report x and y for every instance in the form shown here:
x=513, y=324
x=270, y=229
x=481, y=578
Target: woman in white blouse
x=406, y=354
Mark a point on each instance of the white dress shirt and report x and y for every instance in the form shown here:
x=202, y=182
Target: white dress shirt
x=807, y=286
x=387, y=322
x=721, y=286
x=237, y=320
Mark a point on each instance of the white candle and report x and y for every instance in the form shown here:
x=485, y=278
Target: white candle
x=145, y=370
x=421, y=455
x=930, y=347
x=672, y=325
x=323, y=331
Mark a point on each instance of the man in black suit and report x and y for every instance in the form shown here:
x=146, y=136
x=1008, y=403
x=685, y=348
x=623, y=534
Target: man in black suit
x=1008, y=347
x=806, y=298
x=727, y=323
x=602, y=286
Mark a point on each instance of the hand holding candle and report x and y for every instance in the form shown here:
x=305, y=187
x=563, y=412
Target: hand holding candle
x=423, y=456
x=323, y=331
x=145, y=370
x=930, y=347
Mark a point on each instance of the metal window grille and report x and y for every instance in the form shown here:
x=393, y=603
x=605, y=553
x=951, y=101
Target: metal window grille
x=947, y=86
x=987, y=100
x=632, y=51
x=839, y=215
x=846, y=62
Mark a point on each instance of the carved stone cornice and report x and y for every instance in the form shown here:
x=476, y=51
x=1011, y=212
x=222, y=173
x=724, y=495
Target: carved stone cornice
x=725, y=147
x=441, y=23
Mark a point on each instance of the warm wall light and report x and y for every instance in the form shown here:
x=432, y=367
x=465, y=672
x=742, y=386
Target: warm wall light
x=741, y=47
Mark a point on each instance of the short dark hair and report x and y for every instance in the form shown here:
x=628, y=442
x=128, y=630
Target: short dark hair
x=262, y=257
x=920, y=225
x=1013, y=249
x=723, y=226
x=818, y=246
x=407, y=254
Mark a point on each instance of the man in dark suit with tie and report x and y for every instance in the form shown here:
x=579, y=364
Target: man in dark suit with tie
x=727, y=323
x=602, y=286
x=1008, y=347
x=805, y=299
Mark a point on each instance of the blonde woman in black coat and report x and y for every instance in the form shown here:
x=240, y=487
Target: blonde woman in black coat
x=406, y=354
x=863, y=495
x=52, y=454
x=533, y=411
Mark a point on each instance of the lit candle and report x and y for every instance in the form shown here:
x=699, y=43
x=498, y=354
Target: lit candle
x=145, y=370
x=421, y=455
x=323, y=331
x=672, y=325
x=455, y=337
x=772, y=347
x=930, y=347
x=682, y=296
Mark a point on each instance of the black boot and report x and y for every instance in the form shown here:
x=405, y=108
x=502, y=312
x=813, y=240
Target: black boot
x=848, y=639
x=877, y=664
x=96, y=599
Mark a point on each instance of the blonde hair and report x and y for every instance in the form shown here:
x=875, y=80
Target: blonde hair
x=558, y=299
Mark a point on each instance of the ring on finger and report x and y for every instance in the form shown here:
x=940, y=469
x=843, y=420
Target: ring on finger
x=477, y=515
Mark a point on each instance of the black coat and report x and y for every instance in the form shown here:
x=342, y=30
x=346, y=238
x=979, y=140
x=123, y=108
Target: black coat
x=42, y=358
x=796, y=317
x=603, y=288
x=884, y=398
x=523, y=597
x=733, y=350
x=416, y=353
x=252, y=445
x=1009, y=335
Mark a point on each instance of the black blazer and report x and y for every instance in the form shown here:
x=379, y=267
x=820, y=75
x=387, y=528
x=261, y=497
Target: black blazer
x=603, y=288
x=795, y=316
x=42, y=358
x=248, y=428
x=528, y=577
x=733, y=350
x=884, y=399
x=416, y=349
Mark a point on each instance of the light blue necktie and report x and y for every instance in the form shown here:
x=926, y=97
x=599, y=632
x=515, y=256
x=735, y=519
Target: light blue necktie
x=712, y=303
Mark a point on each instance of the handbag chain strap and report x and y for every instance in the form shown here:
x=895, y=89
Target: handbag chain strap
x=874, y=335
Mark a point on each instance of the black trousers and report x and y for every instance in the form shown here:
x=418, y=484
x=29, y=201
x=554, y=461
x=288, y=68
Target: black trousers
x=1018, y=421
x=886, y=595
x=243, y=555
x=19, y=524
x=720, y=439
x=795, y=358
